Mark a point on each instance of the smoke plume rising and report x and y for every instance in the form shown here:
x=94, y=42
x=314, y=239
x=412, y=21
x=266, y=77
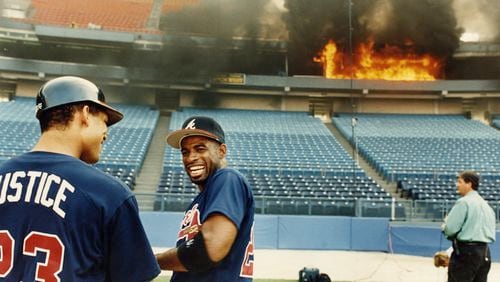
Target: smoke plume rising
x=479, y=17
x=225, y=35
x=204, y=37
x=430, y=24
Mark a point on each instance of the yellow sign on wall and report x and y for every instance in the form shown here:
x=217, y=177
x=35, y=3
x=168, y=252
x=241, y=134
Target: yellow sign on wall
x=229, y=78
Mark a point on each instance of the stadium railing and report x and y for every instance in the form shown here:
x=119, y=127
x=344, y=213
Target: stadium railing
x=396, y=210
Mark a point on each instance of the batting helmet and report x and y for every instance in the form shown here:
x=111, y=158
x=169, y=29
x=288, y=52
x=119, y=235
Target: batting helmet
x=70, y=89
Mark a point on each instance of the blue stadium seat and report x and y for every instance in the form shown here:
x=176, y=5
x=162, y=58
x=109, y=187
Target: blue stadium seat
x=418, y=150
x=123, y=152
x=290, y=157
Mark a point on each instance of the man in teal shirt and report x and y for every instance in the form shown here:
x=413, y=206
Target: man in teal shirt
x=471, y=226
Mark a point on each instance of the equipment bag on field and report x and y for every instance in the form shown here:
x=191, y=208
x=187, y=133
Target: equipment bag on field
x=312, y=275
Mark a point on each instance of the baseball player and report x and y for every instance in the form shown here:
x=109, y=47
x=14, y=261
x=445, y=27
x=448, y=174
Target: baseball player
x=62, y=219
x=215, y=241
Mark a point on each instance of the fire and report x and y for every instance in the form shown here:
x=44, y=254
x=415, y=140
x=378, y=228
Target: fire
x=388, y=63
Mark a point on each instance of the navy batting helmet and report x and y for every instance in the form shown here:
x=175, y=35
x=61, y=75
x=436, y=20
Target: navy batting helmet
x=70, y=89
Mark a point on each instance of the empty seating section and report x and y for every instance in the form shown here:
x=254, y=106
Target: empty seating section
x=264, y=140
x=443, y=187
x=261, y=151
x=128, y=141
x=292, y=161
x=115, y=15
x=424, y=153
x=122, y=154
x=19, y=129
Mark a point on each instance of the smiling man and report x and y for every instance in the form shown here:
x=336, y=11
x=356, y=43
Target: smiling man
x=215, y=242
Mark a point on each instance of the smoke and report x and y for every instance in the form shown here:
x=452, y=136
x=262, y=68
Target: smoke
x=479, y=18
x=221, y=18
x=206, y=100
x=430, y=24
x=213, y=36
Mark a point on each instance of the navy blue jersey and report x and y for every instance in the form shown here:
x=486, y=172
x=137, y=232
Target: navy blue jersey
x=64, y=220
x=226, y=192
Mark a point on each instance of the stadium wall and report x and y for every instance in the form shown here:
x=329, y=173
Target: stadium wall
x=114, y=94
x=337, y=104
x=276, y=103
x=494, y=107
x=243, y=101
x=406, y=106
x=129, y=95
x=28, y=89
x=121, y=93
x=322, y=233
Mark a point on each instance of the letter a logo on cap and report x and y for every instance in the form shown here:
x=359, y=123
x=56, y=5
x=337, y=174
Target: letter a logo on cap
x=191, y=125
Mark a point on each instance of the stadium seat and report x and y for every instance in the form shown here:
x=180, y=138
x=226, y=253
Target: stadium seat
x=291, y=161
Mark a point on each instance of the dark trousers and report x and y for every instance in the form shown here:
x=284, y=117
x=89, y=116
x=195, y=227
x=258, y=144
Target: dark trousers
x=469, y=263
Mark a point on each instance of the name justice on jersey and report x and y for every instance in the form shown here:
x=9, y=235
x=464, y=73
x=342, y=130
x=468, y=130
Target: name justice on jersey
x=37, y=187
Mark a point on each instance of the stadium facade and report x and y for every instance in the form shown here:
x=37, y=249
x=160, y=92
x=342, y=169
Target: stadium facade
x=172, y=70
x=139, y=63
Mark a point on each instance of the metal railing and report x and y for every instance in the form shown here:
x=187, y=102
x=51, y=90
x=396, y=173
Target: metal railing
x=396, y=210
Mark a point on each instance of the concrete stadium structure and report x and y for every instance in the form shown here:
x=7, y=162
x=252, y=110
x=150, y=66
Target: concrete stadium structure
x=123, y=63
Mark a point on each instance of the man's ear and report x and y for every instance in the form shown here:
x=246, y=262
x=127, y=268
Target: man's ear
x=222, y=150
x=85, y=115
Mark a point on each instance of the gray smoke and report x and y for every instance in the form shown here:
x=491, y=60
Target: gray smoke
x=203, y=34
x=430, y=24
x=220, y=36
x=479, y=17
x=220, y=19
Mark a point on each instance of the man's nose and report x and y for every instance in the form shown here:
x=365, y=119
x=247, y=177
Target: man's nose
x=192, y=156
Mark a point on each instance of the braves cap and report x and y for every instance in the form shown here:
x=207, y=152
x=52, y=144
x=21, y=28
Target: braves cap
x=196, y=126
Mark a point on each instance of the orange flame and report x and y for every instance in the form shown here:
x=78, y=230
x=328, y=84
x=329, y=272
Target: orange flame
x=388, y=63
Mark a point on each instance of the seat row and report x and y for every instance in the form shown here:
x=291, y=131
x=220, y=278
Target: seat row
x=124, y=150
x=406, y=146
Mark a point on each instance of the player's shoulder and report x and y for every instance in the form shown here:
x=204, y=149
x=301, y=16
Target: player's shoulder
x=231, y=177
x=103, y=190
x=10, y=163
x=88, y=178
x=108, y=181
x=229, y=173
x=90, y=182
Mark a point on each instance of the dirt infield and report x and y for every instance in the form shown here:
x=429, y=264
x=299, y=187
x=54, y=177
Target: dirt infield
x=351, y=266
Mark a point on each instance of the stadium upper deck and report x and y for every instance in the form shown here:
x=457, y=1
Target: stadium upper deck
x=41, y=40
x=126, y=34
x=117, y=15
